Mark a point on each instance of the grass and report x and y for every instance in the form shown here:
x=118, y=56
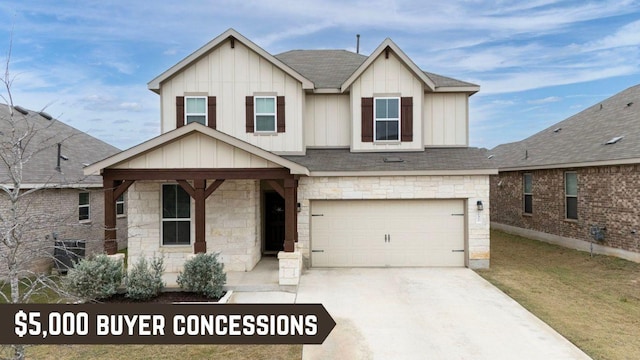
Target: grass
x=158, y=352
x=593, y=302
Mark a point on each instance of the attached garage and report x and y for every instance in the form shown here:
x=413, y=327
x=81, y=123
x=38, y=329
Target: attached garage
x=360, y=233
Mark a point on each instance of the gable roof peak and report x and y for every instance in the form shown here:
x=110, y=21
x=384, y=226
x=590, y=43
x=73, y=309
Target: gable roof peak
x=154, y=85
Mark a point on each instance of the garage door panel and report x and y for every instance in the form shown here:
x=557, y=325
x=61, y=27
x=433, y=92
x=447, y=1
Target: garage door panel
x=421, y=233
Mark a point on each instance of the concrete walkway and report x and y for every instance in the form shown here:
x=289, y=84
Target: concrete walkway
x=425, y=313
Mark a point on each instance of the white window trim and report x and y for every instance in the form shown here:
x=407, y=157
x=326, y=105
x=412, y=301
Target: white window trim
x=88, y=206
x=118, y=201
x=525, y=193
x=566, y=208
x=162, y=220
x=206, y=109
x=256, y=114
x=375, y=119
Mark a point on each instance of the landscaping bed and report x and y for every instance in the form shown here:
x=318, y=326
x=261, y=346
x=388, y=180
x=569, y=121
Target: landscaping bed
x=167, y=297
x=592, y=301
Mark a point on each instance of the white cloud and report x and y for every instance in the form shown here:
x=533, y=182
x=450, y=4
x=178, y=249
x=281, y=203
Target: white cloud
x=546, y=100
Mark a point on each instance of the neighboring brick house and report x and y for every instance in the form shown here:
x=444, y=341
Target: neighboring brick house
x=323, y=157
x=576, y=179
x=67, y=204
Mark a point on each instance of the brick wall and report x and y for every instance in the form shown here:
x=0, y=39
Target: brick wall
x=56, y=210
x=607, y=196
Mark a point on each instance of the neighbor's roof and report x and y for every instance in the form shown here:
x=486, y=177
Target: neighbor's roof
x=431, y=161
x=581, y=140
x=40, y=138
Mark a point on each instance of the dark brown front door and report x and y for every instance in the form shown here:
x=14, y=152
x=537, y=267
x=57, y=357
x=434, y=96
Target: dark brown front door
x=273, y=222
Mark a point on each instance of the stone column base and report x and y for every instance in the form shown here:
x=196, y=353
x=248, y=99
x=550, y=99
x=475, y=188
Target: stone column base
x=290, y=267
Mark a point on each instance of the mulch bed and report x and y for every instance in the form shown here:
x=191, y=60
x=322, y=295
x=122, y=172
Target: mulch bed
x=164, y=298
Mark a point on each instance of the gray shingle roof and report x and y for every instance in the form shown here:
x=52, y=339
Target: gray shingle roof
x=41, y=144
x=329, y=69
x=582, y=137
x=432, y=159
x=326, y=68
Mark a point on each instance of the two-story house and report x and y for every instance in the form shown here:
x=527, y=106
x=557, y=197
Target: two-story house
x=325, y=157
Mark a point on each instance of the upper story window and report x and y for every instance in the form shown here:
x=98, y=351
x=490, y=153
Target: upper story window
x=84, y=207
x=571, y=195
x=195, y=109
x=200, y=109
x=265, y=114
x=387, y=119
x=528, y=193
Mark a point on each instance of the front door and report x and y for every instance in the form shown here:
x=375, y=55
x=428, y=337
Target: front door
x=273, y=222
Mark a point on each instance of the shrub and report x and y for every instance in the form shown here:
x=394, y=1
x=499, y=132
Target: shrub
x=203, y=274
x=144, y=280
x=94, y=278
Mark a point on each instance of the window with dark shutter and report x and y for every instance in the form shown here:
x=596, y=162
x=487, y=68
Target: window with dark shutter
x=280, y=114
x=211, y=111
x=406, y=118
x=367, y=119
x=179, y=111
x=249, y=114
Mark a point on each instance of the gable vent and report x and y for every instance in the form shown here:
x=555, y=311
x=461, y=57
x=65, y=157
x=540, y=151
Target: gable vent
x=614, y=140
x=21, y=110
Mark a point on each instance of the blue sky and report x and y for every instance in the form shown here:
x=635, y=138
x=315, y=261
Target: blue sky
x=537, y=62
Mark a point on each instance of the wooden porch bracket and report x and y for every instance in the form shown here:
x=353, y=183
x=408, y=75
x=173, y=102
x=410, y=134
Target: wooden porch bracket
x=277, y=187
x=199, y=192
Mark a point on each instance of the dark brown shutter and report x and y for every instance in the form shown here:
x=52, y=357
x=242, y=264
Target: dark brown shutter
x=249, y=114
x=211, y=111
x=367, y=119
x=179, y=111
x=406, y=119
x=280, y=111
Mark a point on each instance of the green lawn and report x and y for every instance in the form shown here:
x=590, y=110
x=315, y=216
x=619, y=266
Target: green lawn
x=593, y=302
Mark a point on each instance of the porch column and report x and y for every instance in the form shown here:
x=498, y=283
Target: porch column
x=110, y=243
x=200, y=246
x=290, y=214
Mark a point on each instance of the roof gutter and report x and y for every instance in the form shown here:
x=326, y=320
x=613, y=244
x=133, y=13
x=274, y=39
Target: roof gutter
x=573, y=165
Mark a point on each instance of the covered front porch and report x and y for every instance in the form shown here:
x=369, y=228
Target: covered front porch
x=196, y=190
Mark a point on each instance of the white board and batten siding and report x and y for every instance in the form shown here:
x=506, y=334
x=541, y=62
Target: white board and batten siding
x=231, y=74
x=378, y=233
x=196, y=151
x=327, y=120
x=446, y=119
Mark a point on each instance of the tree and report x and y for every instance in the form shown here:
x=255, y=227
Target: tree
x=23, y=220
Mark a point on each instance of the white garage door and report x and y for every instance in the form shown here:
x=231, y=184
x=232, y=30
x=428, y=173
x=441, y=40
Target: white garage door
x=387, y=233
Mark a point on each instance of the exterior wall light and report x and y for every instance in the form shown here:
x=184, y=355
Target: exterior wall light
x=298, y=207
x=480, y=206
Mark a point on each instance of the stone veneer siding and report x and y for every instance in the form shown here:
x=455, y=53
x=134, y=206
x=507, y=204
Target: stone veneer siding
x=232, y=225
x=56, y=210
x=472, y=188
x=607, y=196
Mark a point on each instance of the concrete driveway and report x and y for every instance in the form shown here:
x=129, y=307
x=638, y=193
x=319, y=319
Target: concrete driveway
x=425, y=313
